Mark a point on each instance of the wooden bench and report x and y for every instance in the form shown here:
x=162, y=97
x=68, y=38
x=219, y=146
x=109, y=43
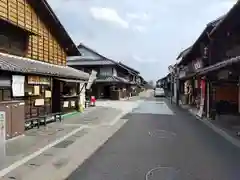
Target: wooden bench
x=57, y=116
x=37, y=120
x=32, y=121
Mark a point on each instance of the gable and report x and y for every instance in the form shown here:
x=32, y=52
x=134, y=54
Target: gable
x=86, y=53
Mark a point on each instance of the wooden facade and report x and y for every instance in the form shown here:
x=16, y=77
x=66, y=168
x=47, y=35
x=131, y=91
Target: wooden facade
x=42, y=45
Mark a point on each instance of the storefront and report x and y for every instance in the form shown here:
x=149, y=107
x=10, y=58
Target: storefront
x=192, y=86
x=38, y=96
x=38, y=84
x=70, y=93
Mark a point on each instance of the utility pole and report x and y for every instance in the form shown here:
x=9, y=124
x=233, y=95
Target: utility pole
x=171, y=70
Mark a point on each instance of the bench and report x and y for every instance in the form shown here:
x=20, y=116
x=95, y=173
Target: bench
x=57, y=116
x=33, y=121
x=39, y=119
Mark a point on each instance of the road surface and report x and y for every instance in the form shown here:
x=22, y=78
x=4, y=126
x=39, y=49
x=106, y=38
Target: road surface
x=162, y=142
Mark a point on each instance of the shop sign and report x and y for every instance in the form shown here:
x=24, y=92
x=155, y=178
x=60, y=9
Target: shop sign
x=91, y=79
x=202, y=100
x=197, y=64
x=2, y=135
x=2, y=126
x=18, y=85
x=38, y=80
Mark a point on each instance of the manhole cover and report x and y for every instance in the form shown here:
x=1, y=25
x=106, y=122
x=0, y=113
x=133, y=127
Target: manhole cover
x=63, y=144
x=162, y=134
x=168, y=173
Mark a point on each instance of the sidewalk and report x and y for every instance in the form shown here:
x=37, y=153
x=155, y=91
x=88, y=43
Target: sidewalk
x=27, y=155
x=226, y=126
x=35, y=139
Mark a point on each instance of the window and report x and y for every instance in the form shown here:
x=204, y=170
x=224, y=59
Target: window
x=5, y=95
x=13, y=40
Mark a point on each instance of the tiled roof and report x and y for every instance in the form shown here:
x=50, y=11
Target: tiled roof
x=111, y=79
x=184, y=52
x=216, y=21
x=81, y=62
x=219, y=65
x=122, y=79
x=29, y=66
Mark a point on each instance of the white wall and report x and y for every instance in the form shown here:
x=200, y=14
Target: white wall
x=114, y=72
x=107, y=71
x=87, y=53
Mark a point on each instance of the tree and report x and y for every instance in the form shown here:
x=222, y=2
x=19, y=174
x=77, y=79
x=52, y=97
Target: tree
x=151, y=83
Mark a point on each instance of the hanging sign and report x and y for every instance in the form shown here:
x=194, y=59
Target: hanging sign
x=2, y=135
x=18, y=85
x=91, y=79
x=197, y=64
x=203, y=87
x=2, y=125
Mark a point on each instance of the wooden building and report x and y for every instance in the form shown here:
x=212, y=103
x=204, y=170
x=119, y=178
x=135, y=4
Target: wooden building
x=211, y=67
x=33, y=50
x=114, y=80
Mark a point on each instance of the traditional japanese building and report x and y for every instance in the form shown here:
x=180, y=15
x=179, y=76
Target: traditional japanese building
x=33, y=50
x=114, y=80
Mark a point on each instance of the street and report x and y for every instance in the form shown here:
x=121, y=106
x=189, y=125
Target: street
x=162, y=142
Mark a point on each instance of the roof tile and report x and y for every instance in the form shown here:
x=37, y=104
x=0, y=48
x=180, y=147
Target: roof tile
x=25, y=65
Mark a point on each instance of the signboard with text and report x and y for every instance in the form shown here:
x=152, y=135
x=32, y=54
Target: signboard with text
x=2, y=135
x=202, y=100
x=197, y=64
x=91, y=79
x=38, y=80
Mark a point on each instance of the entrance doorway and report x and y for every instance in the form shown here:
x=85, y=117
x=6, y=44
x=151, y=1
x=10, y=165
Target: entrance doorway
x=107, y=91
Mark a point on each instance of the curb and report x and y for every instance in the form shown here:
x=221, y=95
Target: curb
x=216, y=129
x=67, y=115
x=221, y=132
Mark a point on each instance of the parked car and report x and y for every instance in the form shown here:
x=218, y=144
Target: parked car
x=159, y=92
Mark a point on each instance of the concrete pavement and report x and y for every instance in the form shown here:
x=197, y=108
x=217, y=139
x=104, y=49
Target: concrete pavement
x=161, y=145
x=50, y=153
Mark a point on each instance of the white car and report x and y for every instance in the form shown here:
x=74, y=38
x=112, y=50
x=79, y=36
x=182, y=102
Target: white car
x=159, y=92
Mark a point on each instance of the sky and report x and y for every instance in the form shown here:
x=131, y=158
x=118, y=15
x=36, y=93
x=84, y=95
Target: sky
x=144, y=34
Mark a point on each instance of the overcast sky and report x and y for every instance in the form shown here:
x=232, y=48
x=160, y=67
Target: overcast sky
x=144, y=34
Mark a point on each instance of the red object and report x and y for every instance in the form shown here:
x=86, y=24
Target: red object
x=203, y=86
x=93, y=100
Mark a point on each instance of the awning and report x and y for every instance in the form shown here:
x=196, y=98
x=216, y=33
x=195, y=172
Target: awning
x=219, y=65
x=71, y=80
x=29, y=66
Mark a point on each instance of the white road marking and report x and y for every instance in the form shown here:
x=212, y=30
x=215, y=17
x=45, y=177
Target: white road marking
x=168, y=171
x=22, y=161
x=115, y=120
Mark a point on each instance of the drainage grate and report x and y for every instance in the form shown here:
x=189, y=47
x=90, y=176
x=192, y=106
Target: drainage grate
x=33, y=164
x=80, y=133
x=12, y=177
x=48, y=154
x=64, y=144
x=60, y=163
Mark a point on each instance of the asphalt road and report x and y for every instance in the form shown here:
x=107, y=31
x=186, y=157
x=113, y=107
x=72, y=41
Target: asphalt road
x=161, y=143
